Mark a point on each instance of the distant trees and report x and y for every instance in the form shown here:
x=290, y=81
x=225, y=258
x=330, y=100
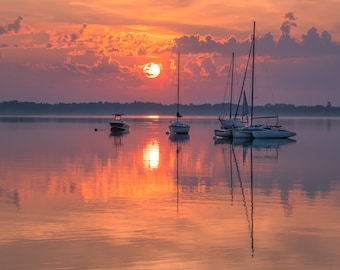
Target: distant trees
x=147, y=108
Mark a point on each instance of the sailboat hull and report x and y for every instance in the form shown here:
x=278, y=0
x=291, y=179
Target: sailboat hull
x=246, y=132
x=223, y=133
x=232, y=123
x=179, y=128
x=273, y=134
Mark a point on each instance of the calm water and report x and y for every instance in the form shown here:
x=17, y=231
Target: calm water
x=73, y=198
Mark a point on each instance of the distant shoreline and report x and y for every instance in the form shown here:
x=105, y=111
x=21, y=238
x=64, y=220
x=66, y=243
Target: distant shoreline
x=150, y=108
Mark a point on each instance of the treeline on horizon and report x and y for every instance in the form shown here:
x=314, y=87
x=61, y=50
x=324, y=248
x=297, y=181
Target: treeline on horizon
x=151, y=108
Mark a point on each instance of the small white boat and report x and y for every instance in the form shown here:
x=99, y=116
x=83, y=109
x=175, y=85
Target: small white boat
x=118, y=125
x=178, y=127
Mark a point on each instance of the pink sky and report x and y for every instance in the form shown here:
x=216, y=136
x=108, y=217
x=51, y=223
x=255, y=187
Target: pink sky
x=83, y=51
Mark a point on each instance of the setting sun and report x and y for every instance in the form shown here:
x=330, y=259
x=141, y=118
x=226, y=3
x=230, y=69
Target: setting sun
x=152, y=70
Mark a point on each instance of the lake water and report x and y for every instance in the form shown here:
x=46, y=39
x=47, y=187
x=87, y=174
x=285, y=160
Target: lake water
x=73, y=198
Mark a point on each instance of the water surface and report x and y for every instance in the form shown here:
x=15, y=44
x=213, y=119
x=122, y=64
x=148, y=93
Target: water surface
x=73, y=198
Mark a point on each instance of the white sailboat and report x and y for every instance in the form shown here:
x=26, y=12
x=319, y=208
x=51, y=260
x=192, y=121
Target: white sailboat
x=259, y=131
x=228, y=123
x=232, y=121
x=178, y=127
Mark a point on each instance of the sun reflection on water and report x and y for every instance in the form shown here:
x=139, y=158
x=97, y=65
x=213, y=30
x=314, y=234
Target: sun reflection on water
x=151, y=155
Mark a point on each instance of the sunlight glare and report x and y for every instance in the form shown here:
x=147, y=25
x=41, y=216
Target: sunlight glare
x=151, y=155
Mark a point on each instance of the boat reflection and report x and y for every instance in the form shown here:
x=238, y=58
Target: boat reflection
x=245, y=182
x=117, y=136
x=179, y=138
x=238, y=156
x=177, y=176
x=119, y=133
x=239, y=168
x=255, y=143
x=271, y=143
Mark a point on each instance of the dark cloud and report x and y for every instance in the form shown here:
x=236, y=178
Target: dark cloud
x=312, y=44
x=290, y=16
x=15, y=27
x=209, y=68
x=196, y=44
x=76, y=36
x=107, y=65
x=141, y=50
x=288, y=23
x=77, y=68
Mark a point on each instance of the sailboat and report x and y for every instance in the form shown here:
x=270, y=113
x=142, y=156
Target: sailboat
x=227, y=124
x=232, y=121
x=259, y=131
x=178, y=127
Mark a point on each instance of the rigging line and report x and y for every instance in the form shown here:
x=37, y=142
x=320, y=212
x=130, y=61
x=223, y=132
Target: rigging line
x=223, y=107
x=267, y=77
x=231, y=84
x=243, y=82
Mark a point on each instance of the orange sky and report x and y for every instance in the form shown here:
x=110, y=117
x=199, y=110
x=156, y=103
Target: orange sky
x=80, y=51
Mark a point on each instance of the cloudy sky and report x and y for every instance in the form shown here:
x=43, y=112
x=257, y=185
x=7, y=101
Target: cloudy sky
x=88, y=51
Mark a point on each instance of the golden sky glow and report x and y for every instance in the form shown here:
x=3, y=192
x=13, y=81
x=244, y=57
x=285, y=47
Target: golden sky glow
x=80, y=51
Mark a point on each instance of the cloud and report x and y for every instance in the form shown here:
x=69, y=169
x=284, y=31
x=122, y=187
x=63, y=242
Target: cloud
x=312, y=44
x=208, y=68
x=288, y=23
x=103, y=65
x=80, y=68
x=76, y=36
x=15, y=27
x=107, y=65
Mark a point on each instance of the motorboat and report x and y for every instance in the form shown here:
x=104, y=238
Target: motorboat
x=118, y=125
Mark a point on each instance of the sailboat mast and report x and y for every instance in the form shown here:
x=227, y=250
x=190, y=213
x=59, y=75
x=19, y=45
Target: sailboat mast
x=178, y=85
x=231, y=86
x=252, y=79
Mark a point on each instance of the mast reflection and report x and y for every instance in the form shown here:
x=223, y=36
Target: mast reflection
x=179, y=139
x=244, y=147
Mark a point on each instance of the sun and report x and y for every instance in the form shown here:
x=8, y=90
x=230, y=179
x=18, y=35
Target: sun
x=152, y=70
